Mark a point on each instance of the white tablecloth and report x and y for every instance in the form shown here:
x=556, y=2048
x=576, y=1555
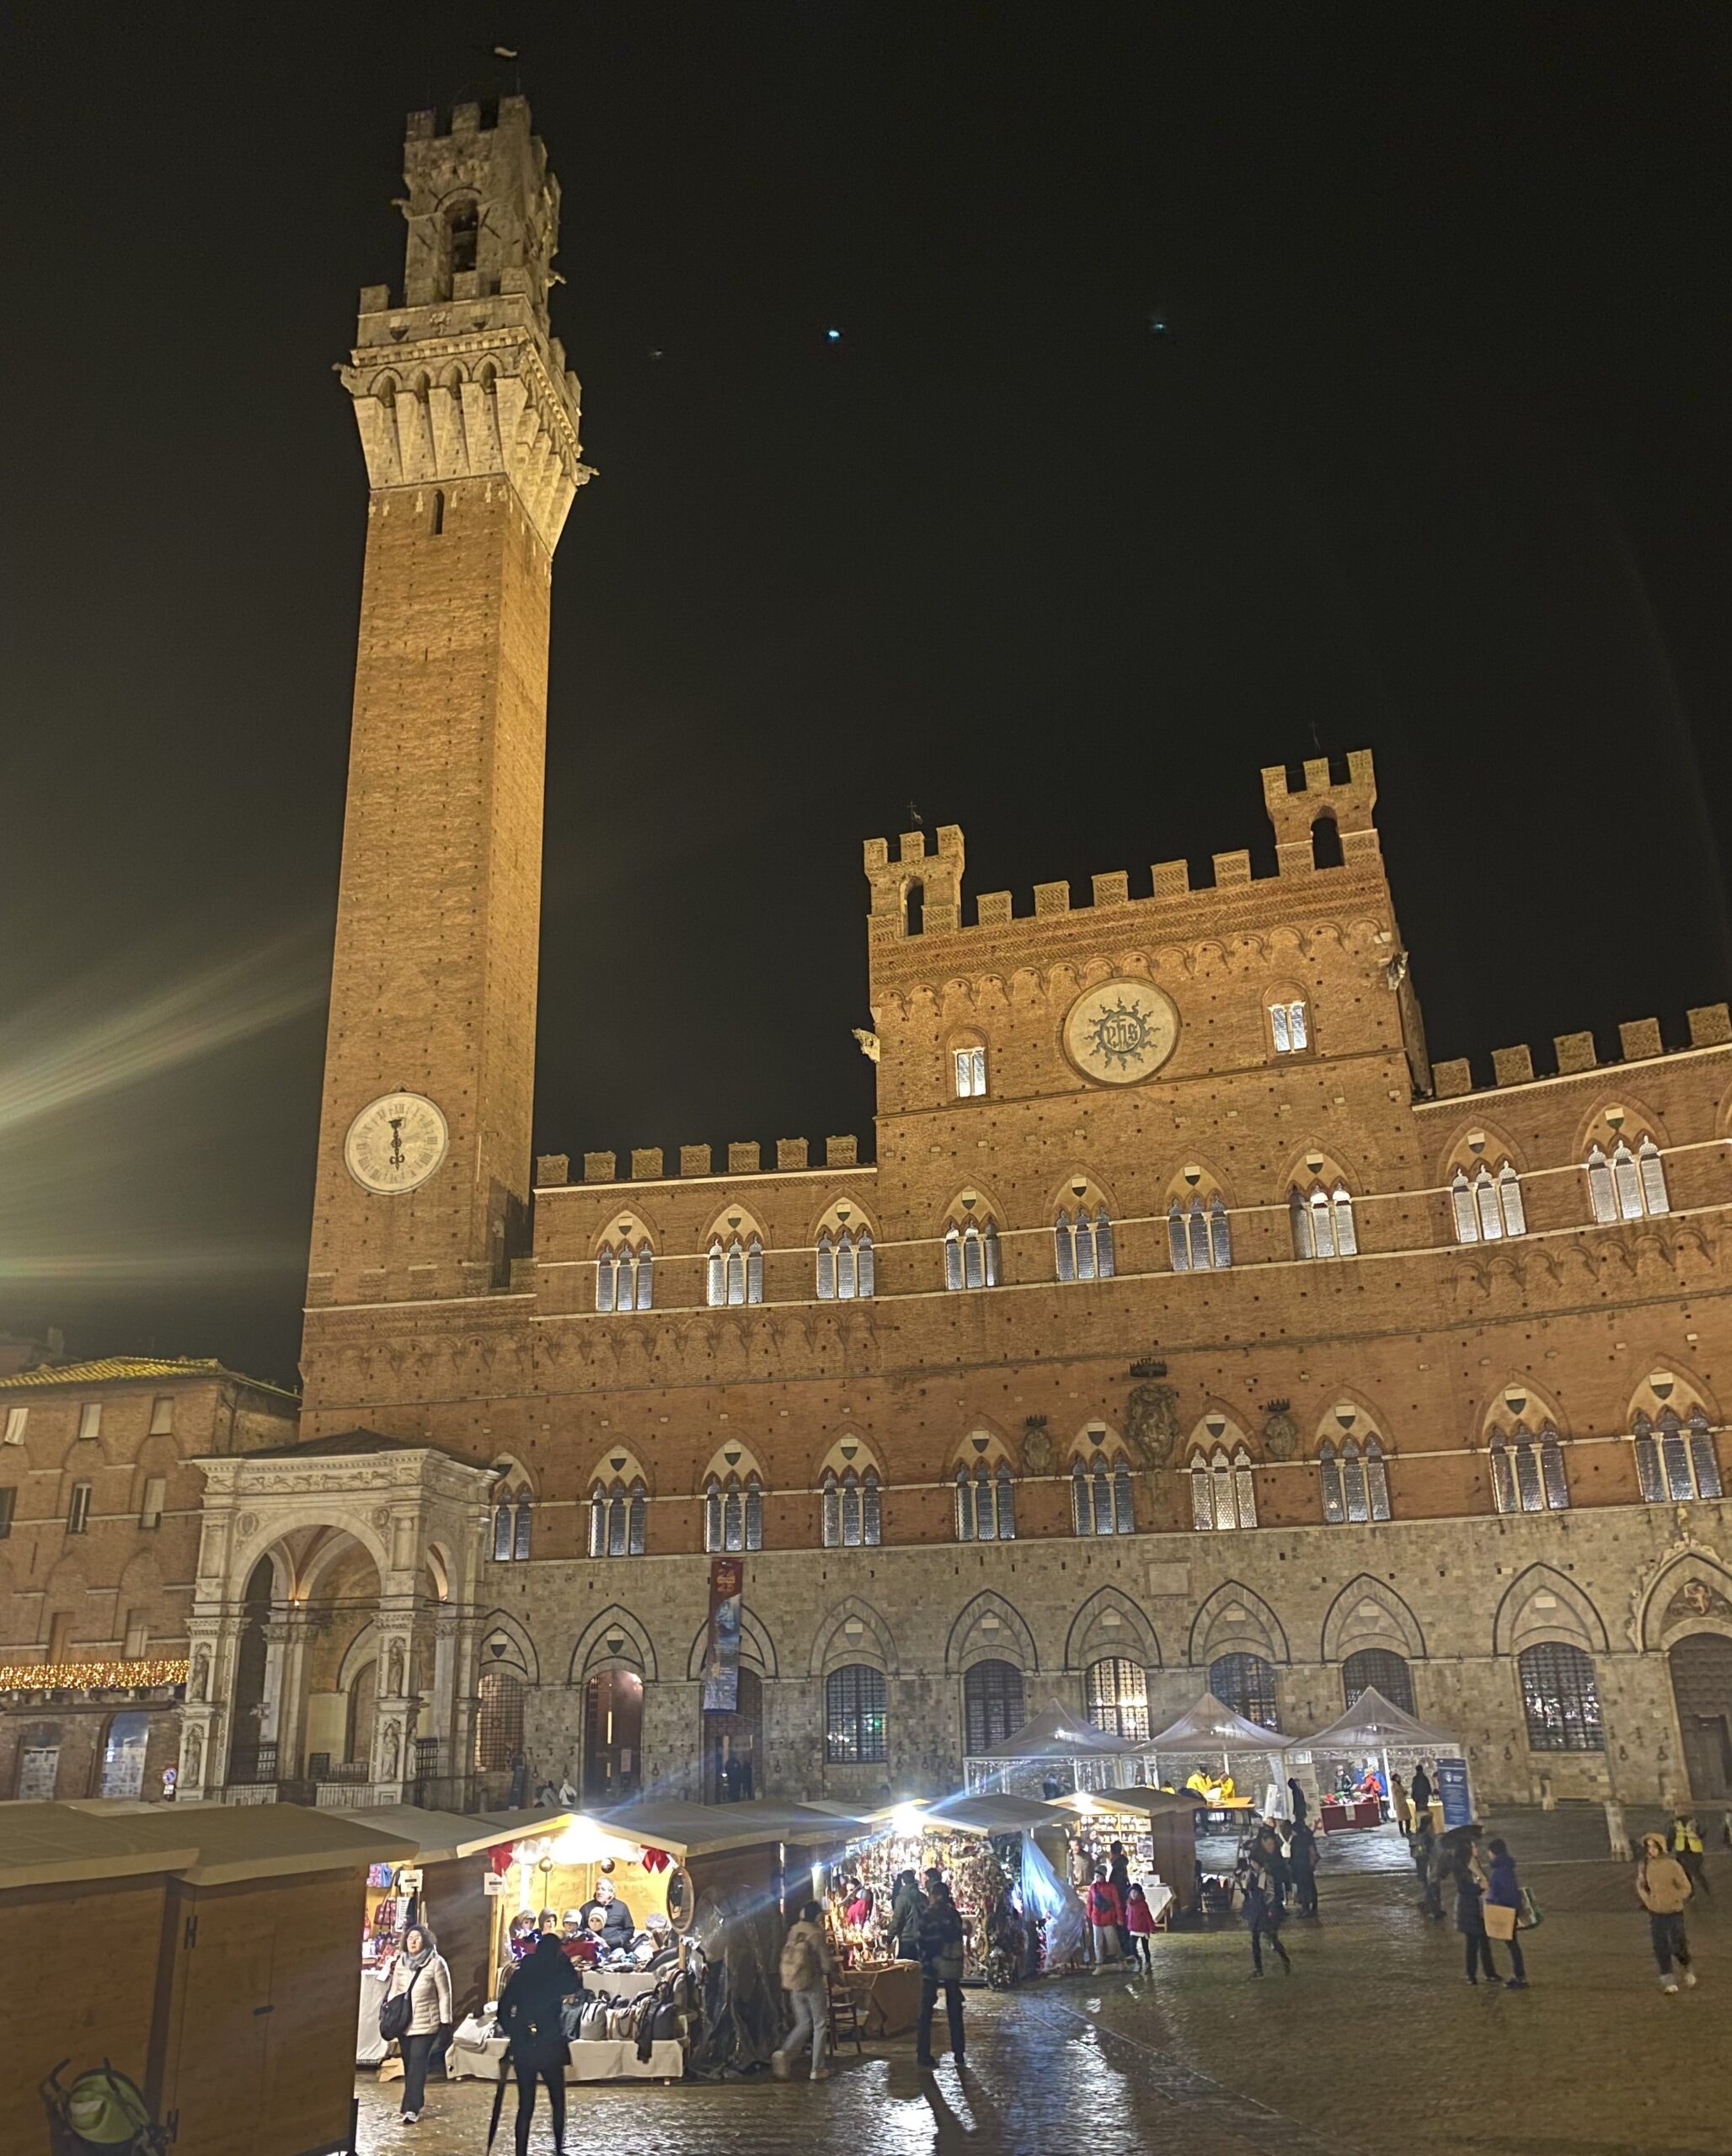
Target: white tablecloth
x=472, y=2059
x=370, y=2046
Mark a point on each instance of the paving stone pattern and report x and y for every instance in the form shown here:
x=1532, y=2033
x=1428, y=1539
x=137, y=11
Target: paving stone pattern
x=1375, y=2043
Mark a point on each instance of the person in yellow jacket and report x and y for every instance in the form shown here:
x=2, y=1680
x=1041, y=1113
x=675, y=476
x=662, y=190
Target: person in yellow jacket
x=1684, y=1842
x=1663, y=1889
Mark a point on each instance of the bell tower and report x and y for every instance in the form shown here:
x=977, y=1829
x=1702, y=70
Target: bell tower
x=468, y=420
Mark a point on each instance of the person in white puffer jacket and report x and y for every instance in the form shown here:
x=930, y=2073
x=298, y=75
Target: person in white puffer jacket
x=421, y=1970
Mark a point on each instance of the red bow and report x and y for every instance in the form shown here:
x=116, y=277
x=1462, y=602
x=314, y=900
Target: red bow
x=656, y=1859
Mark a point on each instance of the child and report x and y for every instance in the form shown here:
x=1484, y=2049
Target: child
x=1139, y=1922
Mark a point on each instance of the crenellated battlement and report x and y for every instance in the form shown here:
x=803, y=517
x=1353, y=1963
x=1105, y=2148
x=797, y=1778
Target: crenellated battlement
x=745, y=1157
x=1710, y=1026
x=919, y=892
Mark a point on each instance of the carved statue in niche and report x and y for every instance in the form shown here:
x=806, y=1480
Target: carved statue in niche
x=1152, y=1423
x=393, y=1681
x=1280, y=1435
x=1037, y=1446
x=201, y=1686
x=194, y=1774
x=1696, y=1599
x=388, y=1753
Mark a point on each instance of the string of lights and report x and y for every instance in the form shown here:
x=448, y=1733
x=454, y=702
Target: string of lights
x=146, y=1675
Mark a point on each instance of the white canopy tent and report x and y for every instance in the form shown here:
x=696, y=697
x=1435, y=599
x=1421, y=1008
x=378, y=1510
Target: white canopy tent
x=1211, y=1730
x=1053, y=1740
x=1374, y=1728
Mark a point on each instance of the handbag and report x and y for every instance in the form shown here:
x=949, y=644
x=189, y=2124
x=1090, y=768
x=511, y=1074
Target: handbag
x=1529, y=1915
x=397, y=2012
x=1500, y=1920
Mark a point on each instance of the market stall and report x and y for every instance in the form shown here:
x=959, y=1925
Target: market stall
x=1373, y=1737
x=1209, y=1737
x=451, y=1882
x=1056, y=1751
x=1157, y=1827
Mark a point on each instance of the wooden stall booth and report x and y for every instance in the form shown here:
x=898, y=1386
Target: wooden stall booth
x=1159, y=1828
x=207, y=1951
x=454, y=1882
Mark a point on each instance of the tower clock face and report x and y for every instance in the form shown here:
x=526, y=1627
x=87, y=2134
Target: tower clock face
x=396, y=1142
x=1120, y=1032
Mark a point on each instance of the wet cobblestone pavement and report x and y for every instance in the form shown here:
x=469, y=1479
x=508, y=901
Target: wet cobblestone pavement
x=1376, y=2042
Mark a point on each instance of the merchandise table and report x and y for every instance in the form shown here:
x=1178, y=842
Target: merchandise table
x=1361, y=1811
x=481, y=2058
x=888, y=1994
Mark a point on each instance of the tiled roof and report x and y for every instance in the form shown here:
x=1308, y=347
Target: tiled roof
x=110, y=1369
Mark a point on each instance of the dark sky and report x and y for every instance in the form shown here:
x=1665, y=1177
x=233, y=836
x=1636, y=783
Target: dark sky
x=1431, y=456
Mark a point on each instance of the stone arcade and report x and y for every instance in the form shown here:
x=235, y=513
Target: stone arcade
x=1192, y=1325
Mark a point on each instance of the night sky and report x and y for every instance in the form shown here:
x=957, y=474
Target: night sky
x=1217, y=386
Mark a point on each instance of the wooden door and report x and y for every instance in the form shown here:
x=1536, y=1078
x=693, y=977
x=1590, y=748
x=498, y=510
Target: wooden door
x=315, y=1999
x=1702, y=1687
x=211, y=2078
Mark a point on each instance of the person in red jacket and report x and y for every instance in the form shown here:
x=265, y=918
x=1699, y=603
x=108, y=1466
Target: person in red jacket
x=1139, y=1922
x=1105, y=1915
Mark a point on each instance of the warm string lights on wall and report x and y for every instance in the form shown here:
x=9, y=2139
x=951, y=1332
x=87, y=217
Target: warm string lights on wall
x=144, y=1676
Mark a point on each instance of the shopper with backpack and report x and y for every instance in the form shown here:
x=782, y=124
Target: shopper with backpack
x=805, y=1972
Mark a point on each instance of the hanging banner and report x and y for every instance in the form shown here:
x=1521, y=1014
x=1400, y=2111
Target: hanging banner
x=1451, y=1778
x=721, y=1665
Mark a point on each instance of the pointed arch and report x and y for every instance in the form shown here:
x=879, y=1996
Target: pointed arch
x=832, y=1647
x=1009, y=1639
x=1368, y=1613
x=758, y=1650
x=498, y=1630
x=1541, y=1604
x=1663, y=1616
x=1090, y=1635
x=734, y=1258
x=592, y=1650
x=844, y=1242
x=1236, y=1620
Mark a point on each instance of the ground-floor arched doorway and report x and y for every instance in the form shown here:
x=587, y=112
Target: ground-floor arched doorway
x=612, y=1737
x=1701, y=1665
x=732, y=1743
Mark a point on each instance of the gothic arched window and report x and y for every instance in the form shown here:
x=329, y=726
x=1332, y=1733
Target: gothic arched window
x=1560, y=1695
x=986, y=1504
x=618, y=1511
x=1527, y=1472
x=1101, y=1495
x=1246, y=1683
x=854, y=1714
x=1289, y=1026
x=511, y=1520
x=1625, y=1185
x=851, y=1509
x=1223, y=1493
x=1199, y=1235
x=992, y=1704
x=733, y=1513
x=1675, y=1461
x=1323, y=1222
x=735, y=1274
x=1118, y=1692
x=624, y=1276
x=971, y=1254
x=1082, y=1244
x=844, y=1264
x=1488, y=1206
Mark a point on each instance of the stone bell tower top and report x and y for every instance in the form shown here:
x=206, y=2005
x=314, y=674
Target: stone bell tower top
x=461, y=377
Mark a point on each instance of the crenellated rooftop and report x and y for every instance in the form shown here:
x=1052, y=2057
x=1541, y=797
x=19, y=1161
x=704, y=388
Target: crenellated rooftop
x=1710, y=1026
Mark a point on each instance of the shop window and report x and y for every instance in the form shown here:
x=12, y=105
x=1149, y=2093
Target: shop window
x=123, y=1755
x=986, y=1504
x=156, y=1497
x=1102, y=1501
x=1223, y=1493
x=851, y=1509
x=161, y=1415
x=499, y=1720
x=1083, y=1245
x=1561, y=1698
x=1675, y=1460
x=1323, y=1222
x=1488, y=1207
x=625, y=1276
x=733, y=1513
x=855, y=1715
x=1355, y=1482
x=1199, y=1235
x=735, y=1272
x=1379, y=1669
x=78, y=1509
x=971, y=1254
x=616, y=1516
x=1246, y=1683
x=1119, y=1698
x=1625, y=1185
x=968, y=1069
x=844, y=1265
x=17, y=1422
x=1527, y=1472
x=992, y=1704
x=1289, y=1026
x=511, y=1519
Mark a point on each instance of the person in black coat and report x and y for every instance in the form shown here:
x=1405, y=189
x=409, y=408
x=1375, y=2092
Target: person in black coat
x=1301, y=1864
x=906, y=1906
x=618, y=1927
x=1118, y=1878
x=1297, y=1795
x=529, y=2013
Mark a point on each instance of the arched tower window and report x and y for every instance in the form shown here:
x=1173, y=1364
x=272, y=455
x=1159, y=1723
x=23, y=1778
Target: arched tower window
x=625, y=1267
x=968, y=1069
x=1290, y=1025
x=438, y=521
x=1485, y=1198
x=1527, y=1473
x=845, y=1267
x=1326, y=844
x=464, y=227
x=1199, y=1231
x=1676, y=1457
x=734, y=1271
x=1626, y=1171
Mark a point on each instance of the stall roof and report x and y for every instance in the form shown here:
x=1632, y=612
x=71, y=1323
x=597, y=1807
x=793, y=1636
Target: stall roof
x=1154, y=1803
x=439, y=1836
x=992, y=1813
x=1374, y=1722
x=685, y=1829
x=1056, y=1732
x=1212, y=1726
x=207, y=1844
